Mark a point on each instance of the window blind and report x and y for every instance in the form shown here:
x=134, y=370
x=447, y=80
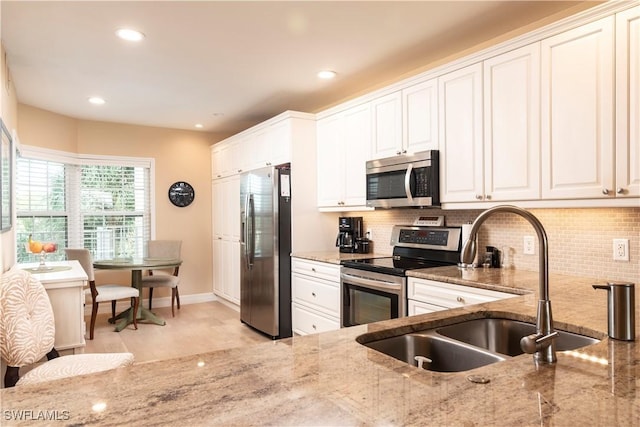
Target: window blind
x=100, y=203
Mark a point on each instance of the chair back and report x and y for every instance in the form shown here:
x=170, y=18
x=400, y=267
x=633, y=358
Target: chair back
x=83, y=256
x=169, y=249
x=27, y=328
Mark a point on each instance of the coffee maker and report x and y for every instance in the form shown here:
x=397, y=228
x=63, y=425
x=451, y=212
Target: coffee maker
x=350, y=234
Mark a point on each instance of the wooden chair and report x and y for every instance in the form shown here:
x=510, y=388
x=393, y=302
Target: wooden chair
x=163, y=249
x=27, y=333
x=103, y=292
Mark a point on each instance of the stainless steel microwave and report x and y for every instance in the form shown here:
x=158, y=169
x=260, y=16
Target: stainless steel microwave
x=404, y=181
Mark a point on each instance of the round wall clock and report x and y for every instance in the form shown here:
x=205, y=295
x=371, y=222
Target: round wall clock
x=181, y=194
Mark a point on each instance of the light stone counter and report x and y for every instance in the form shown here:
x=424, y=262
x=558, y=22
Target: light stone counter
x=329, y=379
x=334, y=257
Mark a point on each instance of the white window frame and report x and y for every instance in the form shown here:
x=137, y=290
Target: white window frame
x=46, y=154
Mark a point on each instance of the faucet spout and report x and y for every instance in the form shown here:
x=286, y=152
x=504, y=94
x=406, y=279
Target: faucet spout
x=544, y=350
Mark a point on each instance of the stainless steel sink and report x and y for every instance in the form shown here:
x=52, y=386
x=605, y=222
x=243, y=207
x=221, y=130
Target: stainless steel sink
x=438, y=353
x=503, y=335
x=467, y=345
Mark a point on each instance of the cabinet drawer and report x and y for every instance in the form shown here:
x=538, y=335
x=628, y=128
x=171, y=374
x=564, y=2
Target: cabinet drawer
x=449, y=295
x=417, y=307
x=319, y=294
x=306, y=321
x=320, y=270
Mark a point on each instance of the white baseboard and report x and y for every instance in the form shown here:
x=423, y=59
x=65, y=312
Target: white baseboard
x=122, y=305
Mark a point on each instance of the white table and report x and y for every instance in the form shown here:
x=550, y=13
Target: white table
x=65, y=286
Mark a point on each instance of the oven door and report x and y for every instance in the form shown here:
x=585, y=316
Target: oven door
x=369, y=297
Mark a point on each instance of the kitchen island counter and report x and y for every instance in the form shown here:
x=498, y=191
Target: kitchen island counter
x=330, y=379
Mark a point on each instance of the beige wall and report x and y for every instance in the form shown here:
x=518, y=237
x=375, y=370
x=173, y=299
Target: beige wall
x=580, y=240
x=179, y=156
x=8, y=112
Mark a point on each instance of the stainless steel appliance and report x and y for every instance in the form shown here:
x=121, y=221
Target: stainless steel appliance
x=404, y=181
x=374, y=289
x=265, y=248
x=349, y=232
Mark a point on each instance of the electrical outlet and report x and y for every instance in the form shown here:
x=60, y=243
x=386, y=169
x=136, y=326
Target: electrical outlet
x=621, y=249
x=369, y=234
x=529, y=245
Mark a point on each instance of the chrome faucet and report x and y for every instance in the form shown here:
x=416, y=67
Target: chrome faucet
x=542, y=343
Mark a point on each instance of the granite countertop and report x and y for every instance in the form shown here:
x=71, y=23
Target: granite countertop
x=330, y=379
x=334, y=257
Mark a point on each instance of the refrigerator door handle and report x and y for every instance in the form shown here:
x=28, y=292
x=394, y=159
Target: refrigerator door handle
x=251, y=231
x=245, y=230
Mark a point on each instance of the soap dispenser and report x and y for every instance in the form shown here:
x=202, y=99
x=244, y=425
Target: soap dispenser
x=621, y=310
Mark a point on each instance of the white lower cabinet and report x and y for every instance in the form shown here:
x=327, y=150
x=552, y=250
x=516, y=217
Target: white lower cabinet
x=315, y=292
x=427, y=296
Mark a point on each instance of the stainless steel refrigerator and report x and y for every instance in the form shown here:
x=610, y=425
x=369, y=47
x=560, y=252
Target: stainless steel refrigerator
x=265, y=250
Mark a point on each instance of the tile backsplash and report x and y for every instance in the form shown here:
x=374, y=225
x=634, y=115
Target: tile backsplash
x=580, y=240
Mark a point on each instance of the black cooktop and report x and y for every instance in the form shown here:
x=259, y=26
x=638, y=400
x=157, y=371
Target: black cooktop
x=415, y=247
x=396, y=266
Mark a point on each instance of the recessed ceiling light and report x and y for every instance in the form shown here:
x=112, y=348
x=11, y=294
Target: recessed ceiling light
x=199, y=125
x=129, y=34
x=326, y=74
x=96, y=100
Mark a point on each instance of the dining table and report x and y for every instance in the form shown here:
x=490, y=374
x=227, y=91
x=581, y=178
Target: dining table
x=136, y=265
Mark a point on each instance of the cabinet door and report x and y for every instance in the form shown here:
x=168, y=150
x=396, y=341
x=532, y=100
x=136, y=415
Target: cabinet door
x=577, y=112
x=67, y=304
x=231, y=208
x=460, y=127
x=512, y=125
x=628, y=103
x=215, y=162
x=218, y=266
x=330, y=162
x=256, y=150
x=420, y=117
x=217, y=198
x=233, y=249
x=356, y=146
x=279, y=143
x=387, y=126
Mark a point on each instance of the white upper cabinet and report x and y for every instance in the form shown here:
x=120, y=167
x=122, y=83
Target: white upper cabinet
x=343, y=149
x=578, y=112
x=512, y=125
x=628, y=103
x=331, y=162
x=278, y=140
x=460, y=129
x=406, y=121
x=386, y=112
x=264, y=145
x=420, y=117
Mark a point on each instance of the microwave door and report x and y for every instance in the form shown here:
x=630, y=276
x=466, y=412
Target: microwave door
x=407, y=184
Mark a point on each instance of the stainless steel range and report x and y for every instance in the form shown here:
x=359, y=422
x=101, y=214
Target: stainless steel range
x=374, y=289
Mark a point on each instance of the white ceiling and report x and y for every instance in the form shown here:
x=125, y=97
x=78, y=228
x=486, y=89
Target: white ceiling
x=248, y=61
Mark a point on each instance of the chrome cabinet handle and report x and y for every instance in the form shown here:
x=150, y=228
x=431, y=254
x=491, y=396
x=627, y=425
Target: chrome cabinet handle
x=313, y=269
x=313, y=294
x=313, y=326
x=605, y=191
x=488, y=196
x=620, y=190
x=398, y=153
x=460, y=299
x=478, y=196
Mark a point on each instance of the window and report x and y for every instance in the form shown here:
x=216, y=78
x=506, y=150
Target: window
x=100, y=203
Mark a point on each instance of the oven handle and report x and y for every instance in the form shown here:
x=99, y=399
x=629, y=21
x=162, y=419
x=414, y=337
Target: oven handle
x=369, y=283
